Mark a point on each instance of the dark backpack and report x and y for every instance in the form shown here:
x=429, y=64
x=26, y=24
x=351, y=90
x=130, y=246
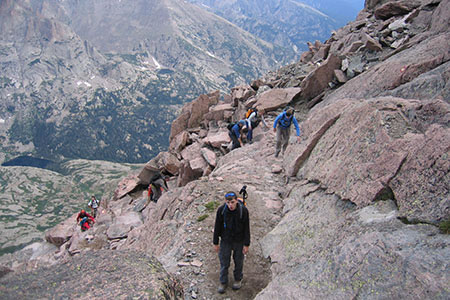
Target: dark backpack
x=230, y=126
x=155, y=177
x=225, y=209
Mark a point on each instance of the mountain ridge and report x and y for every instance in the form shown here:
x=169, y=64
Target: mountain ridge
x=64, y=79
x=358, y=209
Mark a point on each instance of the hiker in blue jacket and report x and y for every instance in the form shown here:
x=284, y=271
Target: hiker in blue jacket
x=235, y=134
x=232, y=229
x=282, y=126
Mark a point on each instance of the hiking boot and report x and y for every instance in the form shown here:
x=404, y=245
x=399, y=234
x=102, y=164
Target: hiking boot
x=221, y=288
x=237, y=285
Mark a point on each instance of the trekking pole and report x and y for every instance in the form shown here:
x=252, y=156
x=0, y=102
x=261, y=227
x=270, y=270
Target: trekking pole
x=243, y=191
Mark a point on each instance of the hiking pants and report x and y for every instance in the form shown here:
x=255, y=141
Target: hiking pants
x=283, y=135
x=94, y=212
x=235, y=140
x=250, y=135
x=225, y=257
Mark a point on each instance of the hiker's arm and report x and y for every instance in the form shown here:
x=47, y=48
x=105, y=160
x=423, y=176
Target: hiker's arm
x=264, y=121
x=250, y=118
x=216, y=248
x=297, y=128
x=245, y=250
x=275, y=123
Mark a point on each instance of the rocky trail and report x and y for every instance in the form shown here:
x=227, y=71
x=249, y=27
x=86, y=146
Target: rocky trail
x=198, y=267
x=357, y=210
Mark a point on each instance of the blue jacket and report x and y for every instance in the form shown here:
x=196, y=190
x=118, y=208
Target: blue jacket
x=236, y=130
x=285, y=122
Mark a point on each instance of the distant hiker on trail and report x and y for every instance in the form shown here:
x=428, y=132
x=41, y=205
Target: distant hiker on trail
x=156, y=187
x=252, y=119
x=85, y=220
x=282, y=126
x=94, y=204
x=235, y=133
x=232, y=226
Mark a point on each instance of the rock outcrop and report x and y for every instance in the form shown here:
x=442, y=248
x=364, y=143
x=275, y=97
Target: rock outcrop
x=359, y=209
x=97, y=275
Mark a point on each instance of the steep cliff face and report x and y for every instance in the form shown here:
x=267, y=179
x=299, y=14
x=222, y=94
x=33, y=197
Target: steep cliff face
x=359, y=209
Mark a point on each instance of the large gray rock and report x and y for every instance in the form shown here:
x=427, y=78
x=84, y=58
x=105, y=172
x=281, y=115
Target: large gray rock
x=219, y=112
x=217, y=139
x=441, y=22
x=168, y=162
x=395, y=8
x=350, y=253
x=317, y=81
x=179, y=142
x=96, y=275
x=193, y=113
x=124, y=224
x=187, y=174
x=209, y=156
x=430, y=85
x=62, y=232
x=146, y=174
x=386, y=138
x=241, y=94
x=398, y=70
x=276, y=98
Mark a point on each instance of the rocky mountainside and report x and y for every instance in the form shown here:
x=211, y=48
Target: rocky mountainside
x=80, y=80
x=286, y=23
x=35, y=199
x=359, y=209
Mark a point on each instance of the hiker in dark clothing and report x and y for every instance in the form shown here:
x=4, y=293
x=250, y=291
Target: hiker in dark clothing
x=282, y=126
x=156, y=187
x=232, y=226
x=235, y=134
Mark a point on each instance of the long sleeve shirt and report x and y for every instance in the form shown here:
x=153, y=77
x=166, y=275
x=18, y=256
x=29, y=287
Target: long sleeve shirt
x=252, y=116
x=236, y=130
x=285, y=122
x=82, y=215
x=232, y=226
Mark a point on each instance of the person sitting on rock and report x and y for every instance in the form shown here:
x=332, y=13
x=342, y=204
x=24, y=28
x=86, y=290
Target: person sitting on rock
x=235, y=134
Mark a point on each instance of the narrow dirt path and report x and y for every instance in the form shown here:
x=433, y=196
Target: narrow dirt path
x=254, y=166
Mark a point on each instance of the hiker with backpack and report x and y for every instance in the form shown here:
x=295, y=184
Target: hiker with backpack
x=282, y=126
x=252, y=119
x=157, y=186
x=85, y=220
x=235, y=132
x=232, y=228
x=94, y=204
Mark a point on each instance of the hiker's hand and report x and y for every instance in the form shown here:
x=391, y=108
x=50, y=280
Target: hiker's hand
x=245, y=250
x=299, y=139
x=275, y=130
x=216, y=248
